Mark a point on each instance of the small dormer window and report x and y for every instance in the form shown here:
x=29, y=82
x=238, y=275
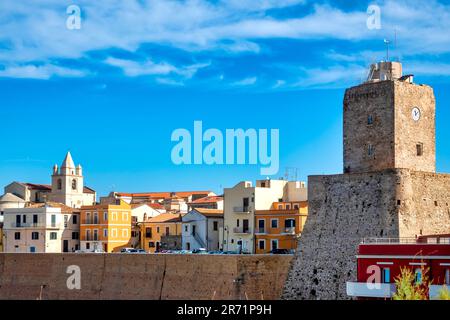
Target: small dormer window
x=369, y=120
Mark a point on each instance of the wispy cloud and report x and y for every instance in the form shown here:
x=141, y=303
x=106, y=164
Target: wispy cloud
x=245, y=82
x=33, y=36
x=133, y=68
x=45, y=71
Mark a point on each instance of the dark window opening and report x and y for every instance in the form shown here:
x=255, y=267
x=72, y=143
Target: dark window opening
x=419, y=148
x=370, y=150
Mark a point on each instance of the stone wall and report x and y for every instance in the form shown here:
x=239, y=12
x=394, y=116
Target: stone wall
x=344, y=209
x=135, y=276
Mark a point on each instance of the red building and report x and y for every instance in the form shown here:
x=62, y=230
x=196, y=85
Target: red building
x=379, y=262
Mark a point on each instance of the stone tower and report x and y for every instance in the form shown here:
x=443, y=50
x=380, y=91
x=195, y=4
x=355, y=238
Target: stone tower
x=68, y=184
x=389, y=187
x=389, y=124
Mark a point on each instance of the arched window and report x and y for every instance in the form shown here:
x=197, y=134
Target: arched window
x=74, y=184
x=59, y=183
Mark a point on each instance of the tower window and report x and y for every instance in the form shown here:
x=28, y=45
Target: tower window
x=370, y=150
x=74, y=184
x=419, y=148
x=59, y=184
x=370, y=120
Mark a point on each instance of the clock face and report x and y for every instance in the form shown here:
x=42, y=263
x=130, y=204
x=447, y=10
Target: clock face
x=415, y=113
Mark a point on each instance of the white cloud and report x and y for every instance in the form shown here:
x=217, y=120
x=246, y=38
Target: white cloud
x=429, y=68
x=36, y=31
x=335, y=76
x=245, y=82
x=39, y=71
x=169, y=81
x=134, y=69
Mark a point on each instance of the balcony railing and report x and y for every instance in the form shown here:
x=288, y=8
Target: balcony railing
x=435, y=290
x=261, y=230
x=90, y=238
x=370, y=290
x=425, y=240
x=290, y=230
x=35, y=225
x=382, y=290
x=242, y=230
x=90, y=221
x=245, y=209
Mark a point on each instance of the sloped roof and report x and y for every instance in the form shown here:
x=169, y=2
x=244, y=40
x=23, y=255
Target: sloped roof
x=47, y=187
x=9, y=197
x=68, y=161
x=51, y=204
x=165, y=217
x=209, y=199
x=88, y=190
x=163, y=195
x=212, y=213
x=34, y=186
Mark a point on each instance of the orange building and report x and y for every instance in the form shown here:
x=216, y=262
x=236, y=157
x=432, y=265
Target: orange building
x=162, y=232
x=279, y=227
x=105, y=227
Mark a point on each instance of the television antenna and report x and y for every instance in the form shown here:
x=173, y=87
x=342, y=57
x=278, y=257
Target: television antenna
x=291, y=174
x=387, y=43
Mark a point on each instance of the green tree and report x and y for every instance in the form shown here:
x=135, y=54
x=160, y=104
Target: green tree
x=444, y=294
x=408, y=288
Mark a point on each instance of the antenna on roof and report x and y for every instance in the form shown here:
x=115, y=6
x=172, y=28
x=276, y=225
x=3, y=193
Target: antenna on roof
x=387, y=43
x=291, y=173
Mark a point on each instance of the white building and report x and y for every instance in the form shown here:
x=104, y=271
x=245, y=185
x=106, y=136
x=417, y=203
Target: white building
x=243, y=199
x=67, y=187
x=41, y=228
x=202, y=228
x=8, y=201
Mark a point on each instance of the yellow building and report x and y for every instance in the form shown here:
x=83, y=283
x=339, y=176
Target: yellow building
x=162, y=232
x=279, y=227
x=105, y=227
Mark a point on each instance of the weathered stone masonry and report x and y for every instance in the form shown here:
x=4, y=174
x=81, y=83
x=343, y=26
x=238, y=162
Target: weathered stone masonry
x=392, y=191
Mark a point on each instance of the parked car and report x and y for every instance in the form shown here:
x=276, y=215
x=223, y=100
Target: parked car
x=215, y=252
x=281, y=251
x=140, y=251
x=127, y=250
x=200, y=251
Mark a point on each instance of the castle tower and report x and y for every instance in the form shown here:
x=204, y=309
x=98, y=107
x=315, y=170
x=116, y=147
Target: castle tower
x=389, y=187
x=67, y=183
x=389, y=124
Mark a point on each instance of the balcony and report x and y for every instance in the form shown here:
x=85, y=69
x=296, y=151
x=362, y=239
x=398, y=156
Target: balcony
x=242, y=230
x=370, y=290
x=246, y=209
x=290, y=230
x=90, y=238
x=35, y=225
x=435, y=290
x=90, y=221
x=260, y=231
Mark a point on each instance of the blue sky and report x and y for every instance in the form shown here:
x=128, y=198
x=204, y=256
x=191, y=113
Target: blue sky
x=113, y=91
